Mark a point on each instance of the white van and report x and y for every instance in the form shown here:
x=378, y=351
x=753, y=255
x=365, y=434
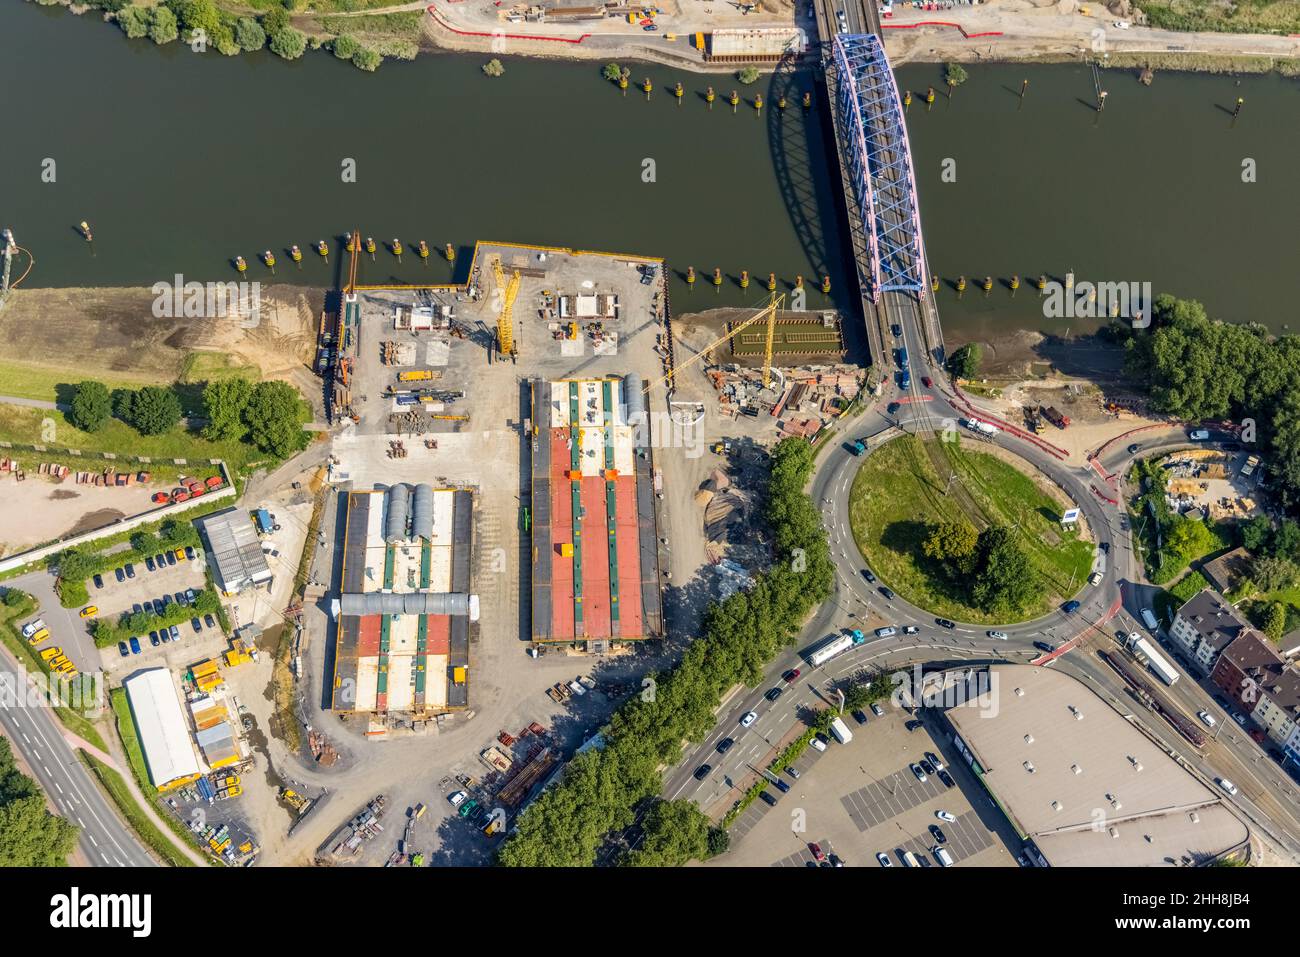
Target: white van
x=909, y=859
x=1149, y=619
x=1198, y=435
x=942, y=856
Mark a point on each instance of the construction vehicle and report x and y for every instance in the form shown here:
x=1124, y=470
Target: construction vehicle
x=1053, y=416
x=415, y=375
x=505, y=328
x=721, y=448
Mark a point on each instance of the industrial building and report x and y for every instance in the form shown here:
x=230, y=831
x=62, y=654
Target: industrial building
x=753, y=44
x=405, y=609
x=161, y=727
x=595, y=561
x=236, y=555
x=1081, y=785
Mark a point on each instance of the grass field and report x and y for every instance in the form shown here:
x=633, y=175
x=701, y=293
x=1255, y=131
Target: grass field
x=898, y=492
x=214, y=366
x=28, y=381
x=1244, y=16
x=130, y=809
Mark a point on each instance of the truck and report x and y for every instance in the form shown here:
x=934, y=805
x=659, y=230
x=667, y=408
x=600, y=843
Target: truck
x=830, y=649
x=855, y=447
x=1248, y=469
x=415, y=375
x=1146, y=650
x=982, y=428
x=841, y=731
x=264, y=523
x=1149, y=619
x=1053, y=416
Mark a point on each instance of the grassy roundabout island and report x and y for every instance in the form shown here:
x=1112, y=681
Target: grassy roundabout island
x=963, y=533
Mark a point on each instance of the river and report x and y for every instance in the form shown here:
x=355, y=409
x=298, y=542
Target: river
x=180, y=161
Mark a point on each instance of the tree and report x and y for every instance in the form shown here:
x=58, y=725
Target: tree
x=276, y=19
x=152, y=410
x=1285, y=542
x=274, y=415
x=719, y=841
x=1273, y=620
x=965, y=362
x=30, y=836
x=954, y=74
x=748, y=75
x=1271, y=573
x=1005, y=581
x=346, y=47
x=288, y=43
x=134, y=22
x=225, y=401
x=1255, y=533
x=14, y=597
x=91, y=406
x=674, y=832
x=367, y=59
x=249, y=34
x=612, y=72
x=163, y=27
x=948, y=540
x=494, y=67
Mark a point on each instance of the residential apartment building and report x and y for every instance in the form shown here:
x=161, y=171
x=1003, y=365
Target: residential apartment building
x=1259, y=679
x=1204, y=627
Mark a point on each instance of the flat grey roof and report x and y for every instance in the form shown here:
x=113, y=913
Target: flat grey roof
x=236, y=550
x=1087, y=786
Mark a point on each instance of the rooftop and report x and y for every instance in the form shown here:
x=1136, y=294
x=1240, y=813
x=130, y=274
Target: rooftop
x=1213, y=618
x=1084, y=784
x=236, y=550
x=164, y=734
x=1260, y=662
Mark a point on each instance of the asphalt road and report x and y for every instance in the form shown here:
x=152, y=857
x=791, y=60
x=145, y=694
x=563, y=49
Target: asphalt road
x=37, y=735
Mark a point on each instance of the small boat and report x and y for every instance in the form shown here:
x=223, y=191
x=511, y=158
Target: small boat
x=295, y=254
x=85, y=231
x=240, y=264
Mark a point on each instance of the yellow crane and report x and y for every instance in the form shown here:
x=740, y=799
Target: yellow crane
x=505, y=328
x=768, y=312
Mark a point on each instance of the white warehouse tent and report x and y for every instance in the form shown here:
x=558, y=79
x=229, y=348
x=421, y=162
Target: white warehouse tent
x=164, y=733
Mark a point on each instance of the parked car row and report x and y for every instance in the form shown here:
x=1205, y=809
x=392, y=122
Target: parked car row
x=151, y=562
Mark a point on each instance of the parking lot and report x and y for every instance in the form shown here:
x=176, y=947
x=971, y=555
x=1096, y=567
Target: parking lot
x=146, y=590
x=862, y=799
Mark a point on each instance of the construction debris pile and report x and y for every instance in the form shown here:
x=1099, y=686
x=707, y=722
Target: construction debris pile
x=364, y=827
x=726, y=514
x=1203, y=483
x=809, y=396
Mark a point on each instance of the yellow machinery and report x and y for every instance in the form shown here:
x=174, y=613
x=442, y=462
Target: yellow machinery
x=768, y=312
x=505, y=329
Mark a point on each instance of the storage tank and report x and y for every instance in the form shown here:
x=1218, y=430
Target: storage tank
x=634, y=398
x=422, y=512
x=397, y=501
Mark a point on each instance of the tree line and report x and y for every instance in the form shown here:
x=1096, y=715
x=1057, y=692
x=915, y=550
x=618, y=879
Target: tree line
x=602, y=790
x=30, y=836
x=988, y=569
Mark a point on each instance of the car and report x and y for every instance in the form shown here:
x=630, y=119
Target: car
x=836, y=860
x=945, y=816
x=768, y=797
x=942, y=856
x=893, y=407
x=877, y=710
x=209, y=621
x=467, y=808
x=1121, y=24
x=860, y=716
x=189, y=552
x=1198, y=435
x=702, y=771
x=1207, y=719
x=160, y=560
x=164, y=635
x=1070, y=607
x=781, y=786
x=189, y=595
x=457, y=799
x=175, y=633
x=791, y=675
x=1105, y=548
x=170, y=557
x=749, y=718
x=1133, y=449
x=119, y=574
x=916, y=770
x=1000, y=635
x=1226, y=785
x=123, y=650
x=946, y=778
x=910, y=629
x=866, y=573
x=884, y=860
x=166, y=600
x=153, y=638
x=196, y=624
x=725, y=745
x=927, y=382
x=1044, y=646
x=896, y=330
x=926, y=766
x=774, y=694
x=180, y=598
x=90, y=611
x=935, y=760
x=816, y=850
x=1240, y=718
x=99, y=580
x=180, y=552
x=819, y=743
x=887, y=592
x=130, y=570
x=148, y=563
x=914, y=725
x=887, y=632
x=937, y=833
x=945, y=623
x=135, y=645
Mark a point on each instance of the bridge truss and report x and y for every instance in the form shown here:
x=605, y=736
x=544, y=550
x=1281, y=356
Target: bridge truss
x=879, y=162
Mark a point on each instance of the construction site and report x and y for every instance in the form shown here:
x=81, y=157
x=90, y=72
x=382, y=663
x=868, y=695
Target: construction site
x=1212, y=484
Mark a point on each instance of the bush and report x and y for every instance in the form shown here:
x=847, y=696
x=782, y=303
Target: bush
x=150, y=411
x=366, y=59
x=346, y=47
x=249, y=34
x=288, y=43
x=965, y=362
x=163, y=28
x=748, y=75
x=494, y=68
x=91, y=404
x=134, y=22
